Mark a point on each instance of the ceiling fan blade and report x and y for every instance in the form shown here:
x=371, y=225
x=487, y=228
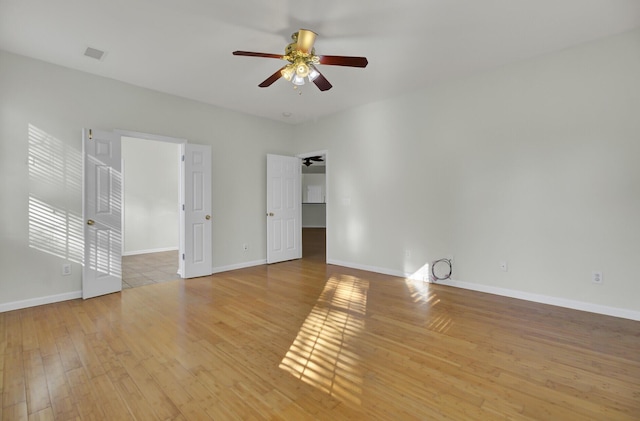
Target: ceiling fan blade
x=321, y=82
x=252, y=54
x=269, y=81
x=306, y=39
x=343, y=61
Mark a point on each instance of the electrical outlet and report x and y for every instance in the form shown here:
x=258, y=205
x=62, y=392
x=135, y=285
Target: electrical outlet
x=596, y=277
x=245, y=247
x=66, y=269
x=503, y=266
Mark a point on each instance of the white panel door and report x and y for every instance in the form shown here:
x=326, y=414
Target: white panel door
x=197, y=257
x=102, y=209
x=284, y=209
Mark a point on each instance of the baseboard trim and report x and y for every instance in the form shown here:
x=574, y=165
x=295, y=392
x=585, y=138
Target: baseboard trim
x=242, y=265
x=538, y=298
x=368, y=268
x=33, y=302
x=158, y=250
x=511, y=293
x=546, y=299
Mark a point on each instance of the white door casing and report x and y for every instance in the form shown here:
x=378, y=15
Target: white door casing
x=102, y=209
x=197, y=239
x=284, y=208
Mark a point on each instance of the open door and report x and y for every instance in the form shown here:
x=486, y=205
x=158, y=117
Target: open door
x=102, y=210
x=196, y=237
x=284, y=209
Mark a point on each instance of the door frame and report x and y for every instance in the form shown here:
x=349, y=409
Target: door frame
x=324, y=152
x=166, y=139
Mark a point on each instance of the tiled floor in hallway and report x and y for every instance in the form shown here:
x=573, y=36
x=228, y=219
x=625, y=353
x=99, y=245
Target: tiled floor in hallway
x=150, y=268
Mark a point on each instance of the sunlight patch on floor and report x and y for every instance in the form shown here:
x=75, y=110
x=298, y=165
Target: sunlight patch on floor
x=436, y=319
x=322, y=354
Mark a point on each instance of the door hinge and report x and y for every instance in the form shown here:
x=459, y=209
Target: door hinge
x=182, y=256
x=182, y=158
x=183, y=207
x=90, y=134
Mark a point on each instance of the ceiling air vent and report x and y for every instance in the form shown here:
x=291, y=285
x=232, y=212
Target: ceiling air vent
x=94, y=53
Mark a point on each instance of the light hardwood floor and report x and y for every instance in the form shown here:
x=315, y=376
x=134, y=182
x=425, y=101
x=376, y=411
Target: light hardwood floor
x=304, y=340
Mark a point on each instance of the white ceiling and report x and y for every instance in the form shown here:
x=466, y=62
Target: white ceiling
x=183, y=47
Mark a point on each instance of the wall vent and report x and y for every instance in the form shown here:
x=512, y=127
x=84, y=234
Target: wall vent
x=94, y=53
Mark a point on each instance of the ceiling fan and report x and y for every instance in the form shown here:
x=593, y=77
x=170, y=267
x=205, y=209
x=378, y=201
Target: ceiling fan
x=308, y=160
x=302, y=60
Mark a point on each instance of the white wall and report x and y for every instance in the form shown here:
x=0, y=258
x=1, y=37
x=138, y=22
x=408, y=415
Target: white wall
x=314, y=215
x=151, y=174
x=43, y=108
x=535, y=164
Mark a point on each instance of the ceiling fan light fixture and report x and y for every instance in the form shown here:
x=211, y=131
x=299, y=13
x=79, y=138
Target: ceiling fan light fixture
x=288, y=72
x=302, y=69
x=298, y=80
x=313, y=74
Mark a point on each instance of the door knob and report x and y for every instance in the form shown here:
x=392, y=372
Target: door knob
x=207, y=217
x=91, y=222
x=270, y=214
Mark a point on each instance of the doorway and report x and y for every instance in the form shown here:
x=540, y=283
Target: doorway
x=151, y=220
x=102, y=209
x=314, y=204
